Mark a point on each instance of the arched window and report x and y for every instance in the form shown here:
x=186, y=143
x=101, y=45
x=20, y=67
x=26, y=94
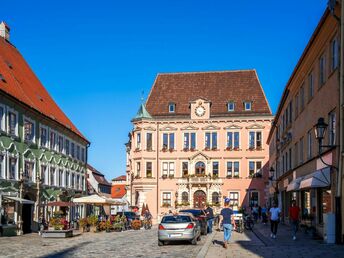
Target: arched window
x=185, y=197
x=215, y=198
x=200, y=169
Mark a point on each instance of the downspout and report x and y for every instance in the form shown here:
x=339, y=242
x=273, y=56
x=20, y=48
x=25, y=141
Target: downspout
x=157, y=172
x=341, y=133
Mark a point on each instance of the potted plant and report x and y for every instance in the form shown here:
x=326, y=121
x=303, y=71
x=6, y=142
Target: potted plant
x=171, y=176
x=164, y=176
x=236, y=148
x=251, y=148
x=228, y=148
x=207, y=148
x=136, y=224
x=185, y=149
x=108, y=226
x=164, y=149
x=229, y=176
x=93, y=220
x=102, y=226
x=214, y=148
x=165, y=205
x=192, y=149
x=56, y=223
x=171, y=149
x=215, y=176
x=83, y=223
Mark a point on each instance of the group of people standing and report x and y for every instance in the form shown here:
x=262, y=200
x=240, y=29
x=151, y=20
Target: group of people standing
x=273, y=214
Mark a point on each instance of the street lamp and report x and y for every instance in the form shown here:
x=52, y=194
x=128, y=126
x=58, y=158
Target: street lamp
x=320, y=129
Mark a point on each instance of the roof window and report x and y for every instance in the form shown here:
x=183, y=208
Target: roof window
x=172, y=108
x=230, y=106
x=248, y=105
x=2, y=78
x=9, y=64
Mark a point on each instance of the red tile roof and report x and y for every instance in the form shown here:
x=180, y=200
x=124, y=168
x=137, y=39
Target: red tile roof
x=217, y=87
x=22, y=84
x=120, y=178
x=118, y=191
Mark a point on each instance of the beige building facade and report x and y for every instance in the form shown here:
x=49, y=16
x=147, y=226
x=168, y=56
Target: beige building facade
x=312, y=92
x=200, y=137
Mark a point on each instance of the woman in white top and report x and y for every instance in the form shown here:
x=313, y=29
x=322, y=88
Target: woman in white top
x=274, y=213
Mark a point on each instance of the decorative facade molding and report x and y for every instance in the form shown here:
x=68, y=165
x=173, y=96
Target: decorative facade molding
x=168, y=128
x=211, y=127
x=149, y=128
x=232, y=127
x=189, y=127
x=255, y=126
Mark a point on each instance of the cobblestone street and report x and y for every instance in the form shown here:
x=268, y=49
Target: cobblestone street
x=141, y=243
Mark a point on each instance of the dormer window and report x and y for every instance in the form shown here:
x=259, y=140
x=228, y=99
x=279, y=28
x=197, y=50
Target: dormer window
x=247, y=105
x=172, y=108
x=230, y=106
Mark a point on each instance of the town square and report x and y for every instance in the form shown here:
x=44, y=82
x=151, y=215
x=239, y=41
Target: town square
x=172, y=129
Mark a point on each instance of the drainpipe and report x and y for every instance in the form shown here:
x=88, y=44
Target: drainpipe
x=157, y=172
x=341, y=133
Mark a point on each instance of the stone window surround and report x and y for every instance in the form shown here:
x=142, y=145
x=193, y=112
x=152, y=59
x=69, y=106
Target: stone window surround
x=34, y=128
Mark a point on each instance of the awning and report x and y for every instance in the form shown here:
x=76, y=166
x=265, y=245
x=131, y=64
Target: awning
x=17, y=199
x=294, y=185
x=60, y=204
x=95, y=200
x=318, y=179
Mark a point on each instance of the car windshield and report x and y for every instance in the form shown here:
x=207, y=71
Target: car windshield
x=196, y=213
x=176, y=219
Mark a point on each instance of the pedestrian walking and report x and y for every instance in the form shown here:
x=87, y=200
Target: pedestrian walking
x=264, y=215
x=210, y=218
x=255, y=212
x=274, y=213
x=294, y=213
x=227, y=221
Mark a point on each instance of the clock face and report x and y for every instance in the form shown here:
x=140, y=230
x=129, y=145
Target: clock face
x=200, y=111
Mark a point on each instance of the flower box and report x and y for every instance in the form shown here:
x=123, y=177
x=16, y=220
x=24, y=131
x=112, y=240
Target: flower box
x=164, y=149
x=171, y=149
x=228, y=176
x=192, y=149
x=186, y=149
x=207, y=149
x=228, y=148
x=171, y=176
x=164, y=176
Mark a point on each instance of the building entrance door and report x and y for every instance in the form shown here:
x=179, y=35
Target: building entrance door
x=27, y=211
x=199, y=199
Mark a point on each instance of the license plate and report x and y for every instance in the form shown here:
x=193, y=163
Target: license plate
x=174, y=235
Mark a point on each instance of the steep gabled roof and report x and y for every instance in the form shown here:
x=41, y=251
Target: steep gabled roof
x=217, y=87
x=20, y=82
x=100, y=178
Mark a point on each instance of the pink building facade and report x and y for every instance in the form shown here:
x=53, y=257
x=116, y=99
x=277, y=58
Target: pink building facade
x=200, y=137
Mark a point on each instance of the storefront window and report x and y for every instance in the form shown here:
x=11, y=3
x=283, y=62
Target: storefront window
x=305, y=204
x=324, y=203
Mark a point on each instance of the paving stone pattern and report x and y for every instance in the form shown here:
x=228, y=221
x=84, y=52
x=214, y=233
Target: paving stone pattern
x=142, y=243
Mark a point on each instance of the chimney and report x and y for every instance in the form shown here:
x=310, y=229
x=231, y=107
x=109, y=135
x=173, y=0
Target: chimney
x=4, y=31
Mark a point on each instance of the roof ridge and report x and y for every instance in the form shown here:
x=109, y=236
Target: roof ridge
x=200, y=72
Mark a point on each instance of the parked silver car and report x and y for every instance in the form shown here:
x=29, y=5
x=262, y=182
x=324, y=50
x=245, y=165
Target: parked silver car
x=176, y=227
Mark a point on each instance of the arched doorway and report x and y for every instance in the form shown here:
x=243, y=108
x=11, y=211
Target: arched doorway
x=199, y=199
x=27, y=216
x=200, y=168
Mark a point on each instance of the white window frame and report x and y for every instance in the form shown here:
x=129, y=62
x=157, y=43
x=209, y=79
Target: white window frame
x=233, y=132
x=332, y=129
x=218, y=167
x=146, y=168
x=34, y=128
x=11, y=110
x=170, y=171
x=181, y=167
x=168, y=140
x=309, y=144
x=138, y=168
x=33, y=169
x=249, y=103
x=211, y=139
x=162, y=197
x=63, y=143
x=138, y=140
x=255, y=166
x=146, y=139
x=16, y=175
x=56, y=136
x=249, y=197
x=233, y=172
x=47, y=144
x=2, y=166
x=334, y=53
x=45, y=172
x=3, y=119
x=234, y=192
x=229, y=109
x=172, y=108
x=255, y=138
x=189, y=143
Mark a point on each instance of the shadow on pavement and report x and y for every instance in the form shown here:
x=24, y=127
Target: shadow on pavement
x=66, y=252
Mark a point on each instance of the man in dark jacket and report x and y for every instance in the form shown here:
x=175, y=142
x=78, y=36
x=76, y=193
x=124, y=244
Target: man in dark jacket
x=210, y=218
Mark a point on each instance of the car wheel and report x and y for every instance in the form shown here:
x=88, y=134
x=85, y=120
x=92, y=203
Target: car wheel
x=194, y=241
x=160, y=243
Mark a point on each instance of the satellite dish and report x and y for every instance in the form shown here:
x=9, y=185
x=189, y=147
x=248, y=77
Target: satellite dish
x=331, y=5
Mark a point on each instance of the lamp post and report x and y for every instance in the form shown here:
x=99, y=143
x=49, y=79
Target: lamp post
x=272, y=180
x=319, y=130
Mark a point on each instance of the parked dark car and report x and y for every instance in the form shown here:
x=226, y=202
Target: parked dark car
x=201, y=216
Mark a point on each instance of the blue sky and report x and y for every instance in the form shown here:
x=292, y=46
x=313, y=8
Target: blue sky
x=96, y=57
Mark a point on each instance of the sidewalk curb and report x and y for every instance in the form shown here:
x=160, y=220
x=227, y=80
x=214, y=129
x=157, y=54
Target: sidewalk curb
x=205, y=248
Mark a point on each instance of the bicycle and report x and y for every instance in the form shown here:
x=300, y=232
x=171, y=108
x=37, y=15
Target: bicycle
x=147, y=223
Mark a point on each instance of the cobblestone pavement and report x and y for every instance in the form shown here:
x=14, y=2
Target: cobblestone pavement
x=259, y=244
x=142, y=243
